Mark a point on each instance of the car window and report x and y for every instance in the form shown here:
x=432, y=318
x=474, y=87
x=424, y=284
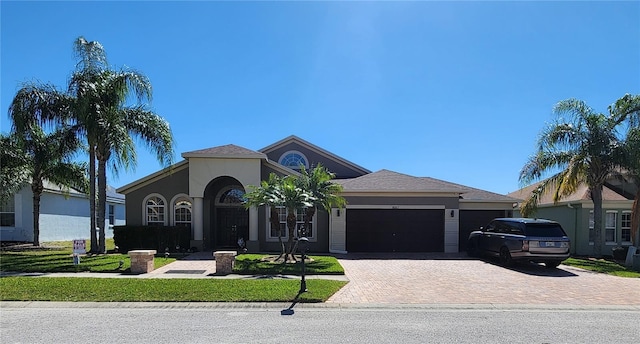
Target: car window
x=544, y=230
x=514, y=228
x=491, y=227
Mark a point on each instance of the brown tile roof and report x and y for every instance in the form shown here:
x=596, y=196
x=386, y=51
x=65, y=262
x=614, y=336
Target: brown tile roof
x=225, y=151
x=581, y=194
x=389, y=181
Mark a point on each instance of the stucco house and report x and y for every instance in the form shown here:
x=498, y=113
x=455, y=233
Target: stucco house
x=63, y=216
x=387, y=211
x=575, y=214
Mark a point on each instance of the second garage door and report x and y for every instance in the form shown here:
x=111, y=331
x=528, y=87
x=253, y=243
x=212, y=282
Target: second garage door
x=395, y=230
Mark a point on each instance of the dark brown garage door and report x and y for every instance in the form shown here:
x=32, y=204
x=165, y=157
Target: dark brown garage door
x=395, y=230
x=471, y=220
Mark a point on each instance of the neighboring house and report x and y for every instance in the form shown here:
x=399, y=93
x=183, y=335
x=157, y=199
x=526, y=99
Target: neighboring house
x=63, y=216
x=386, y=211
x=575, y=214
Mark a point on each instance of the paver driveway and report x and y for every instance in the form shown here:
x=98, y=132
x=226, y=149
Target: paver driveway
x=455, y=279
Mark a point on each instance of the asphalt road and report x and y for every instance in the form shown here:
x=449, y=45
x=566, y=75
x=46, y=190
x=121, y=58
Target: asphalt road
x=44, y=322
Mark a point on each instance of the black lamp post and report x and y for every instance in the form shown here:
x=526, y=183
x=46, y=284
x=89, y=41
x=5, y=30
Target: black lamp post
x=303, y=245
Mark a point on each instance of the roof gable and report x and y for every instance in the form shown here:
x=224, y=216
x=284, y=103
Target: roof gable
x=343, y=168
x=226, y=151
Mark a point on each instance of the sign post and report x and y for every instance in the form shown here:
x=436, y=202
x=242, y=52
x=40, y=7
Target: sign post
x=79, y=247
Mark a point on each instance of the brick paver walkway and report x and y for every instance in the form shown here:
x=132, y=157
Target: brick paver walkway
x=453, y=279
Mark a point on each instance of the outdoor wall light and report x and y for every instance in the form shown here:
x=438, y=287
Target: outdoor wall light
x=338, y=213
x=453, y=212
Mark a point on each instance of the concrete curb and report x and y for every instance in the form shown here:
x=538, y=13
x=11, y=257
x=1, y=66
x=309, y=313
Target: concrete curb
x=312, y=306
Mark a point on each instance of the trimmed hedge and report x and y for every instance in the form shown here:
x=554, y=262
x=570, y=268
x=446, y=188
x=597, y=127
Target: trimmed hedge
x=159, y=238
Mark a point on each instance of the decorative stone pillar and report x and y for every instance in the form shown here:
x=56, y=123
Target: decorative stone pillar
x=225, y=260
x=142, y=261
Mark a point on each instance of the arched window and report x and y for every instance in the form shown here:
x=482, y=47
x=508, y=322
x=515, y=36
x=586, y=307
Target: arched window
x=182, y=212
x=293, y=160
x=155, y=210
x=233, y=195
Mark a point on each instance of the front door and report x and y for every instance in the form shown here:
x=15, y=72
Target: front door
x=233, y=224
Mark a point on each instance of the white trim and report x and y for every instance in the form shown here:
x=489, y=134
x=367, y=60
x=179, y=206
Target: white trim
x=310, y=146
x=615, y=227
x=144, y=208
x=306, y=160
x=270, y=238
x=172, y=206
x=395, y=206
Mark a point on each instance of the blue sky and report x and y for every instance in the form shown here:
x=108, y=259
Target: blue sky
x=452, y=90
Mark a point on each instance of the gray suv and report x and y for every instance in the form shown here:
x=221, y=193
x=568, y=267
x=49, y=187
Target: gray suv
x=510, y=239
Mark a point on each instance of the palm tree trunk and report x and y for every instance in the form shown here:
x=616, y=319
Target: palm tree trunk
x=92, y=197
x=36, y=188
x=102, y=201
x=291, y=225
x=596, y=196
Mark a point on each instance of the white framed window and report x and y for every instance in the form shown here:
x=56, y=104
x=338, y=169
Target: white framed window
x=8, y=213
x=625, y=227
x=182, y=210
x=155, y=210
x=112, y=214
x=611, y=218
x=293, y=160
x=272, y=233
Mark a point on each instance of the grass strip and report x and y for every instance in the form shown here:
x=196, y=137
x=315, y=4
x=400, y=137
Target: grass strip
x=61, y=260
x=162, y=290
x=602, y=266
x=255, y=264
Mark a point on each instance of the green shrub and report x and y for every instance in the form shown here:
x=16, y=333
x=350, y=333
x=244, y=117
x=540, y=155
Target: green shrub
x=159, y=238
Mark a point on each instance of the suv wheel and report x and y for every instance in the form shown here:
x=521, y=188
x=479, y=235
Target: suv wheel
x=505, y=256
x=552, y=264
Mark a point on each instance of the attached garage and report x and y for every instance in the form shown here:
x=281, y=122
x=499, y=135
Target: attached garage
x=395, y=230
x=471, y=220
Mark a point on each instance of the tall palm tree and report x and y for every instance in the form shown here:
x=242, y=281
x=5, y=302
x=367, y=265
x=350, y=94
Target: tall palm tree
x=269, y=194
x=317, y=182
x=49, y=154
x=626, y=111
x=583, y=148
x=91, y=60
x=109, y=124
x=118, y=124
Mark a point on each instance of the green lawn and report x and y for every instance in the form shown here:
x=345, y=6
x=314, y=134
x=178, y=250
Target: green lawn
x=163, y=290
x=255, y=264
x=57, y=257
x=601, y=265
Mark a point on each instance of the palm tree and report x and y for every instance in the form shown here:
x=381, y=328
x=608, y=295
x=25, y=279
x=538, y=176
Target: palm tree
x=295, y=199
x=627, y=110
x=326, y=194
x=118, y=124
x=48, y=154
x=109, y=125
x=13, y=172
x=583, y=149
x=269, y=194
x=91, y=60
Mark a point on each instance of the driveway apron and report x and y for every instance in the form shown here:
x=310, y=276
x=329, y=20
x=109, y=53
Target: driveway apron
x=456, y=279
